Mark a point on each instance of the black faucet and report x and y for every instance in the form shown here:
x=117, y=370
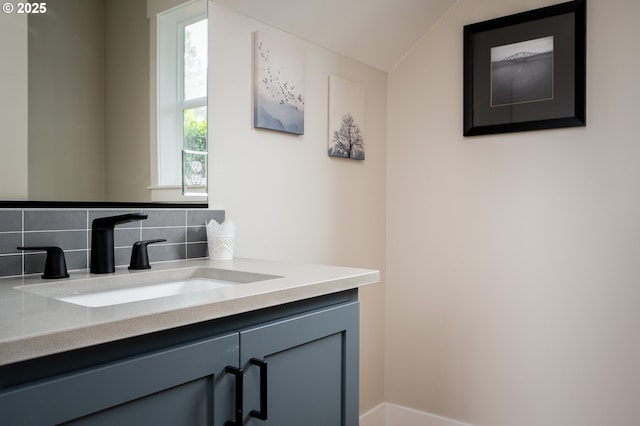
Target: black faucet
x=102, y=248
x=55, y=266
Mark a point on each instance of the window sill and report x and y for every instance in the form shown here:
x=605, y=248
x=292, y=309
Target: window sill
x=174, y=193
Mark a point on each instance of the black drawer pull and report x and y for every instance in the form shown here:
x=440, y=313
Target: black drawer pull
x=238, y=373
x=262, y=365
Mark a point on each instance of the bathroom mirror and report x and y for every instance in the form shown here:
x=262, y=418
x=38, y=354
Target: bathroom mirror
x=83, y=95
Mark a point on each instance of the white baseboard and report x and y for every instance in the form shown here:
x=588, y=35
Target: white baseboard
x=396, y=415
x=374, y=417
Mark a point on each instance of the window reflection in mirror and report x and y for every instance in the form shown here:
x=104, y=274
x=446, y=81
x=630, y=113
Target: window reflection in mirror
x=182, y=97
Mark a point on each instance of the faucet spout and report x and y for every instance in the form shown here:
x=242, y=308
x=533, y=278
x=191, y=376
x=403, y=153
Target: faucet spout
x=102, y=246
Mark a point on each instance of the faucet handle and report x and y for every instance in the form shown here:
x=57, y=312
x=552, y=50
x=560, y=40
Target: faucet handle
x=139, y=254
x=55, y=265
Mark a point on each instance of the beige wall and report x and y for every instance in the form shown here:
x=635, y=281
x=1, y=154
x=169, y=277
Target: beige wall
x=13, y=108
x=127, y=141
x=66, y=102
x=513, y=260
x=288, y=199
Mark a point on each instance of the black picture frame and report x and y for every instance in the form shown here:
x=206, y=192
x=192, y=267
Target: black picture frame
x=514, y=83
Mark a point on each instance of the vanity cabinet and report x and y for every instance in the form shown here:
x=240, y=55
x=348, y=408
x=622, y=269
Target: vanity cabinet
x=312, y=365
x=293, y=365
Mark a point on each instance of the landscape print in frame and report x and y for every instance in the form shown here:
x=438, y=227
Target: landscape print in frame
x=346, y=118
x=279, y=85
x=526, y=71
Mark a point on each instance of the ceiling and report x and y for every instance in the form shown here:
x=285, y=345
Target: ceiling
x=376, y=32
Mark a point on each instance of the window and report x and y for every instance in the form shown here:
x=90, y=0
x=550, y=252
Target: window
x=182, y=98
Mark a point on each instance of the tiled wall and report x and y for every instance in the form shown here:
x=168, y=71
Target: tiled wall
x=70, y=229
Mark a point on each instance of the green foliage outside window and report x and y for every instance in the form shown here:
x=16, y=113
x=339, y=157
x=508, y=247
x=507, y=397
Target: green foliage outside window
x=194, y=157
x=195, y=129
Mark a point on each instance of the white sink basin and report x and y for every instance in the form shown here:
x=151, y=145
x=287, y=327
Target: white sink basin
x=147, y=292
x=118, y=289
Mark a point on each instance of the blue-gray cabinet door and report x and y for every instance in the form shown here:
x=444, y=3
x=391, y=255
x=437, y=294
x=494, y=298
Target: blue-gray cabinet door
x=182, y=385
x=311, y=369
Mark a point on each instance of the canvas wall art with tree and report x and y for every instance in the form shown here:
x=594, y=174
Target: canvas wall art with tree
x=346, y=118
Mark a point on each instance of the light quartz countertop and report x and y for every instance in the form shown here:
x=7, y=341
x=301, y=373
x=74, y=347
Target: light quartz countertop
x=34, y=325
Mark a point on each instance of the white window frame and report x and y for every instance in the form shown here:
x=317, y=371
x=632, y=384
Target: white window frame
x=170, y=91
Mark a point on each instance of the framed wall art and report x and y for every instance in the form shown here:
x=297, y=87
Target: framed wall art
x=279, y=85
x=526, y=71
x=346, y=118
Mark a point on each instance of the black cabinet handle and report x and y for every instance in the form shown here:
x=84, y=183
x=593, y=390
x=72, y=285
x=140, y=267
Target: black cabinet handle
x=238, y=373
x=262, y=414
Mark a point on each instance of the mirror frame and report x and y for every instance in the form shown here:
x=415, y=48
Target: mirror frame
x=97, y=205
